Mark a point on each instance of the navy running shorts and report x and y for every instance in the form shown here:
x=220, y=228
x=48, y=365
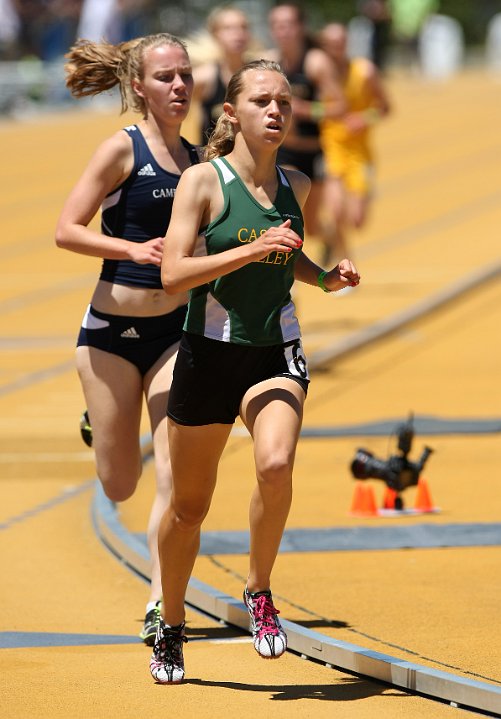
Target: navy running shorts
x=139, y=340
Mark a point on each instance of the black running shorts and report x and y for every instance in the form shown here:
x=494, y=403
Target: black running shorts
x=311, y=163
x=211, y=377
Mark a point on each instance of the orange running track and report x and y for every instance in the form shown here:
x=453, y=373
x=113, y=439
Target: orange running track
x=420, y=334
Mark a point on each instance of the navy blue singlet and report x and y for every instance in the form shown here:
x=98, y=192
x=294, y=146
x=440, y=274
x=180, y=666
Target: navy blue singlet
x=140, y=210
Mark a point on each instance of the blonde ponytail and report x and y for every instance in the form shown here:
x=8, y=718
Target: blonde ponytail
x=222, y=139
x=93, y=67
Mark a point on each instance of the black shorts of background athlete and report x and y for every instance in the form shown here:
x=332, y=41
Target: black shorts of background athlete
x=211, y=377
x=311, y=163
x=139, y=340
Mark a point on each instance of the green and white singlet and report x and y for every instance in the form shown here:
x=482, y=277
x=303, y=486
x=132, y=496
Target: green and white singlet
x=252, y=305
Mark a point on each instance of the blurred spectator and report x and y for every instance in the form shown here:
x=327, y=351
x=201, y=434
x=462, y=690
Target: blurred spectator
x=38, y=29
x=114, y=20
x=10, y=28
x=378, y=14
x=46, y=29
x=441, y=47
x=101, y=20
x=408, y=18
x=59, y=29
x=137, y=18
x=493, y=43
x=32, y=16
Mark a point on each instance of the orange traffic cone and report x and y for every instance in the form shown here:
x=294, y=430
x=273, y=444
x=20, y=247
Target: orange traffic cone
x=389, y=498
x=423, y=501
x=357, y=499
x=364, y=501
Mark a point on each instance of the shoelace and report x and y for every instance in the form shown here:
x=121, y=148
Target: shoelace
x=168, y=649
x=155, y=612
x=152, y=617
x=265, y=614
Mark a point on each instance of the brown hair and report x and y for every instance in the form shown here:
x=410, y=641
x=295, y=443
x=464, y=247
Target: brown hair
x=93, y=67
x=222, y=139
x=298, y=9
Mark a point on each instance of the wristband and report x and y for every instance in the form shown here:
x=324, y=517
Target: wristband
x=317, y=110
x=372, y=115
x=320, y=281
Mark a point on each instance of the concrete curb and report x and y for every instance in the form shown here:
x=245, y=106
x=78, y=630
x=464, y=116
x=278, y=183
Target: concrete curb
x=457, y=690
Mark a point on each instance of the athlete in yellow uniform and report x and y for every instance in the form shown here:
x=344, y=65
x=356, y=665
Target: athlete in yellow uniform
x=346, y=142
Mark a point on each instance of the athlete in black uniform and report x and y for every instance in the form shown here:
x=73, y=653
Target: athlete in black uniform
x=212, y=104
x=131, y=329
x=230, y=31
x=316, y=94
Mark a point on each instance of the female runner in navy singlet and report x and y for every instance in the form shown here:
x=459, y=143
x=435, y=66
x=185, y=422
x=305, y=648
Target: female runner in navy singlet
x=131, y=330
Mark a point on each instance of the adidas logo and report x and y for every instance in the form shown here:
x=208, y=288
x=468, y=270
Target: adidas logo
x=131, y=333
x=147, y=170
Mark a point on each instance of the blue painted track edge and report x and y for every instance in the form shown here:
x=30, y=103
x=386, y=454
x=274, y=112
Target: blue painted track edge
x=306, y=642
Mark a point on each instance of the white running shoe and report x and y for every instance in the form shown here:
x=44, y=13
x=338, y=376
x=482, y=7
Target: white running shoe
x=167, y=662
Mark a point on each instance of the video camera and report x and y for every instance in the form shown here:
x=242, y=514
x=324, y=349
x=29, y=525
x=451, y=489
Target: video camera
x=397, y=471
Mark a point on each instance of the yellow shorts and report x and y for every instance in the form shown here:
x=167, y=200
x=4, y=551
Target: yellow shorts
x=353, y=167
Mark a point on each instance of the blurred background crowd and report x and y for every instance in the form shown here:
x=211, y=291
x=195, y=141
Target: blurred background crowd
x=35, y=34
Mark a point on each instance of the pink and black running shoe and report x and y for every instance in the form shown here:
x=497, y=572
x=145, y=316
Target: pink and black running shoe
x=270, y=640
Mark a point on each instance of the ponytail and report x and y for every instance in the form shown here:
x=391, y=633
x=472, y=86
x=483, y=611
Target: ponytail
x=222, y=139
x=93, y=67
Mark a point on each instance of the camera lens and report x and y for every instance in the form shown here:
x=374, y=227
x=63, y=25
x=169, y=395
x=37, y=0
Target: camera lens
x=361, y=465
x=365, y=465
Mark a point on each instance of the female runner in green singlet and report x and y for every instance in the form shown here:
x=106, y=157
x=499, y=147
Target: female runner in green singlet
x=235, y=240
